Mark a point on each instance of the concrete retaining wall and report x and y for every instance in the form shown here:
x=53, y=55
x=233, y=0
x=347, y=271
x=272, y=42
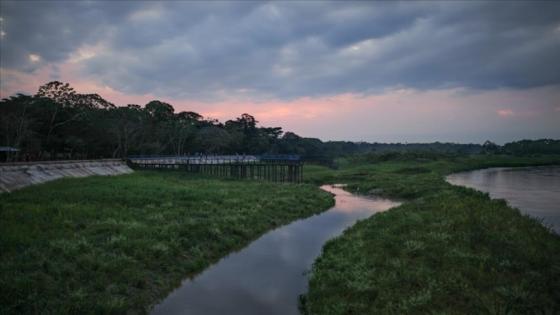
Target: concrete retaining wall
x=17, y=175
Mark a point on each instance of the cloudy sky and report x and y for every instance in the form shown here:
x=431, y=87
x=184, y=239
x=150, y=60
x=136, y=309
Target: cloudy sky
x=362, y=71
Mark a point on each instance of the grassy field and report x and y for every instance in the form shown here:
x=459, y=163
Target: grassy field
x=446, y=250
x=119, y=244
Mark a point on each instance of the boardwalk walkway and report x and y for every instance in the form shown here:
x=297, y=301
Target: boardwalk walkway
x=276, y=168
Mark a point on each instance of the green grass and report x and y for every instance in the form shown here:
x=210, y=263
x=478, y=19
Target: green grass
x=446, y=250
x=119, y=244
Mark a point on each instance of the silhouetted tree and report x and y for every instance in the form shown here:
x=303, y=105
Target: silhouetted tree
x=490, y=147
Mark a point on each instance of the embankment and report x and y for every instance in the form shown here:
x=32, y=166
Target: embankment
x=18, y=175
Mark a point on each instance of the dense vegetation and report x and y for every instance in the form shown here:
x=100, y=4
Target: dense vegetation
x=58, y=123
x=446, y=250
x=118, y=244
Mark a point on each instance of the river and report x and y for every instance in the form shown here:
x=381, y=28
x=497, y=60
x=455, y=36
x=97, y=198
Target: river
x=533, y=190
x=268, y=275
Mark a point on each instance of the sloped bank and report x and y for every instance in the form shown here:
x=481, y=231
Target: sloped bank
x=18, y=175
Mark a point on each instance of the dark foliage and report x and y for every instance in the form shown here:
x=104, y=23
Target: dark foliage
x=58, y=123
x=527, y=147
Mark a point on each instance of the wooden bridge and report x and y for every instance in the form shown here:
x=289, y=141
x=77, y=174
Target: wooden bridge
x=275, y=168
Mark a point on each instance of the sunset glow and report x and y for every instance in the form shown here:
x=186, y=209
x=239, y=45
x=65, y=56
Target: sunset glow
x=401, y=81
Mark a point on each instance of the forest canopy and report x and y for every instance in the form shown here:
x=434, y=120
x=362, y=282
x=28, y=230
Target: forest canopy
x=59, y=123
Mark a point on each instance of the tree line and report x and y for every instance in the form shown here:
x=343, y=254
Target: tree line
x=524, y=147
x=59, y=123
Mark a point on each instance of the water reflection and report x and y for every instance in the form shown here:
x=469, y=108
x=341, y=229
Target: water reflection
x=533, y=190
x=268, y=276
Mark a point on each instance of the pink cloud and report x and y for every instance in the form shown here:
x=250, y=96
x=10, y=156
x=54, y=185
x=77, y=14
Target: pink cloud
x=391, y=115
x=505, y=112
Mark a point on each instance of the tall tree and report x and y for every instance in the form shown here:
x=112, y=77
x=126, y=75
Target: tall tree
x=15, y=122
x=59, y=92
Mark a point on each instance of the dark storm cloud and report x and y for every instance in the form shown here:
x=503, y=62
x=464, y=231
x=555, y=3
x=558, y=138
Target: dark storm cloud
x=51, y=30
x=290, y=49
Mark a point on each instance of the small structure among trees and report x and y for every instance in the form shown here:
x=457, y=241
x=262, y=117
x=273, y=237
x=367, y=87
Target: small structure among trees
x=6, y=153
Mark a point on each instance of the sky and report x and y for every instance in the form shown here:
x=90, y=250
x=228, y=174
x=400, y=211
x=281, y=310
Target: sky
x=412, y=71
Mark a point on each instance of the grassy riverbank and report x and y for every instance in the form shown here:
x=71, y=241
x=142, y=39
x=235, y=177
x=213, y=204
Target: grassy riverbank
x=446, y=250
x=118, y=244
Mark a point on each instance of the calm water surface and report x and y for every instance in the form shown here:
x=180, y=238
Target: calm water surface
x=533, y=190
x=267, y=276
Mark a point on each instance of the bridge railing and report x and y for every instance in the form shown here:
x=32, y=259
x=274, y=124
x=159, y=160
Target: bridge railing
x=212, y=159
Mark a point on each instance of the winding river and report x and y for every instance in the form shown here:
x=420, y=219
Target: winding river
x=268, y=275
x=533, y=190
